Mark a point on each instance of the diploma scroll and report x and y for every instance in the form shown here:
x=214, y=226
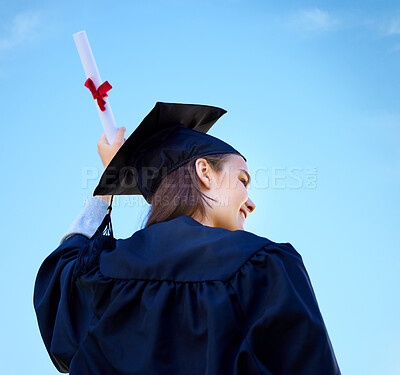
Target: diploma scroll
x=91, y=71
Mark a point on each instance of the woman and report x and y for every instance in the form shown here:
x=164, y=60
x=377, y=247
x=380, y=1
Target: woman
x=192, y=292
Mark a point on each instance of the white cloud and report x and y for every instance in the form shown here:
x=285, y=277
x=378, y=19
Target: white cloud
x=24, y=27
x=394, y=48
x=315, y=20
x=394, y=28
x=387, y=27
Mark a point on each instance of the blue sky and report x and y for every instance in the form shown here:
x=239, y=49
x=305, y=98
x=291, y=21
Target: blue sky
x=312, y=91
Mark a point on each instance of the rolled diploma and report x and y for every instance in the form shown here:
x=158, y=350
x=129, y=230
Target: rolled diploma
x=90, y=67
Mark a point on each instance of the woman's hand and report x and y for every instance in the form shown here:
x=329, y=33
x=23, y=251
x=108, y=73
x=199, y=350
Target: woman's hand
x=107, y=151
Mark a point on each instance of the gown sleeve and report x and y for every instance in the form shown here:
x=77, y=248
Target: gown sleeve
x=88, y=220
x=52, y=293
x=63, y=324
x=284, y=331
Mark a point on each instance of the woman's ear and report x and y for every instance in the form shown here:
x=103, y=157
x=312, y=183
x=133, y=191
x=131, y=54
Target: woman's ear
x=203, y=170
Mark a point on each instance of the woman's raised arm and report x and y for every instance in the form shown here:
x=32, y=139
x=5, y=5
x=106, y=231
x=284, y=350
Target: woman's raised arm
x=107, y=152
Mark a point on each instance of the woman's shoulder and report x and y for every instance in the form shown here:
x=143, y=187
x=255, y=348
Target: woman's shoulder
x=183, y=250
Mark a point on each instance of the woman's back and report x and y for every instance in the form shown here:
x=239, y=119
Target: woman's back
x=180, y=297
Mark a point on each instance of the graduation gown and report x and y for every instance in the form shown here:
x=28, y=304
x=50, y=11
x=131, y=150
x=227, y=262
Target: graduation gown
x=181, y=298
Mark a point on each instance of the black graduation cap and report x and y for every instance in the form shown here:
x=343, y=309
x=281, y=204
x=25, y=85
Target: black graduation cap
x=169, y=136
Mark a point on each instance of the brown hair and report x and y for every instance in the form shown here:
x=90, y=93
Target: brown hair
x=179, y=192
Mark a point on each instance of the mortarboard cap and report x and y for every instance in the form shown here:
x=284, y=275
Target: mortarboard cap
x=169, y=136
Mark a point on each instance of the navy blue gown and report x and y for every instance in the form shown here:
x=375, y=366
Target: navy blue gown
x=181, y=298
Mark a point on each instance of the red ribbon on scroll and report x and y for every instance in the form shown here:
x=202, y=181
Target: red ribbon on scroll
x=99, y=93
